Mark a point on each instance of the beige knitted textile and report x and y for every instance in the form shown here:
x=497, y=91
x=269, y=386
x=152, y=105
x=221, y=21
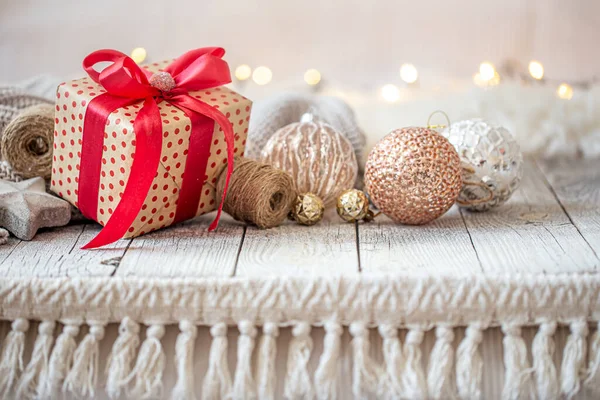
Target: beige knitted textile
x=13, y=100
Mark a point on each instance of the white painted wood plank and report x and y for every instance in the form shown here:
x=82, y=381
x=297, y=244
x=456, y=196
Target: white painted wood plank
x=185, y=250
x=577, y=186
x=440, y=247
x=325, y=249
x=57, y=253
x=531, y=233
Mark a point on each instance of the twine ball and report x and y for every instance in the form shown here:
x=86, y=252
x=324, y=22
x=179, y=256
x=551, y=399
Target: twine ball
x=258, y=194
x=27, y=141
x=413, y=175
x=319, y=158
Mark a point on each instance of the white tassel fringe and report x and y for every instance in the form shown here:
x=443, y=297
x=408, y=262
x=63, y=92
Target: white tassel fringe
x=11, y=363
x=366, y=374
x=244, y=387
x=37, y=368
x=149, y=366
x=413, y=376
x=60, y=362
x=391, y=386
x=217, y=382
x=469, y=364
x=572, y=366
x=441, y=363
x=83, y=376
x=297, y=384
x=122, y=357
x=327, y=370
x=75, y=368
x=543, y=347
x=592, y=379
x=184, y=360
x=267, y=351
x=517, y=370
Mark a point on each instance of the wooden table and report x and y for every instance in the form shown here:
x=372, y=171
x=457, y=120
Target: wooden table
x=550, y=225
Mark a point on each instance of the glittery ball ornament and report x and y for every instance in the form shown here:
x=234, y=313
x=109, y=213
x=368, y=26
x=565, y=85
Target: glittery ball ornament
x=307, y=209
x=319, y=158
x=352, y=205
x=163, y=81
x=413, y=175
x=492, y=163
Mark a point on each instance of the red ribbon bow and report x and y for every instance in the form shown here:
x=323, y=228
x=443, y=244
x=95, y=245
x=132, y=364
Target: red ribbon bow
x=125, y=84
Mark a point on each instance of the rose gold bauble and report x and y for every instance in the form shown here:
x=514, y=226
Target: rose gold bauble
x=413, y=175
x=319, y=158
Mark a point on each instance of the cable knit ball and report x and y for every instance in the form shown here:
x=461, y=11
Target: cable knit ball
x=318, y=157
x=275, y=112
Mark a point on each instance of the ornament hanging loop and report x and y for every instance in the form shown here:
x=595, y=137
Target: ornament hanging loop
x=429, y=126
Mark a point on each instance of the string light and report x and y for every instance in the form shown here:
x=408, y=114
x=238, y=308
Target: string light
x=243, y=72
x=390, y=93
x=564, y=91
x=312, y=76
x=138, y=55
x=409, y=73
x=536, y=70
x=487, y=71
x=479, y=81
x=262, y=75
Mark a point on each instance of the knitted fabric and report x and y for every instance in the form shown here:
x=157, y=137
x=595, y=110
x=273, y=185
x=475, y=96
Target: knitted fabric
x=13, y=100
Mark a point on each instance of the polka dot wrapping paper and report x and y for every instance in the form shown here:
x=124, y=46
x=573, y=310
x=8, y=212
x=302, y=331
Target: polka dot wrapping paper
x=159, y=208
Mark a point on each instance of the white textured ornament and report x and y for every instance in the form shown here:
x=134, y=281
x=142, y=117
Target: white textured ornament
x=492, y=163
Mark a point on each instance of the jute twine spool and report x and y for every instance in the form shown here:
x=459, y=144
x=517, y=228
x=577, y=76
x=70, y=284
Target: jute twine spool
x=27, y=141
x=258, y=193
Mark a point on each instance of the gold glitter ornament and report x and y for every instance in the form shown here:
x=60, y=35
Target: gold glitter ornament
x=413, y=175
x=352, y=205
x=307, y=209
x=319, y=158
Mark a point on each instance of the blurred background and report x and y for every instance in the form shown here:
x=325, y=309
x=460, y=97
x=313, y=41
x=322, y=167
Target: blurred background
x=393, y=61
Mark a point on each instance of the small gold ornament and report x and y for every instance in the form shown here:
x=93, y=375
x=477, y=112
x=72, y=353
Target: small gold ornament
x=352, y=205
x=307, y=209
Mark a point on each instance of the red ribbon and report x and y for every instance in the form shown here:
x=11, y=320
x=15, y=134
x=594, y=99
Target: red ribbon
x=126, y=83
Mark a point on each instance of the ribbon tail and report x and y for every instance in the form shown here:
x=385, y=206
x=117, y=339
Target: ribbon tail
x=148, y=134
x=185, y=101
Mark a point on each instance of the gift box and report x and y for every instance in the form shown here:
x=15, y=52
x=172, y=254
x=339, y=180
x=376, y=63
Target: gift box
x=138, y=149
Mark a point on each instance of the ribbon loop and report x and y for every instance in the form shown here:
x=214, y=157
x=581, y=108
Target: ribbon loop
x=125, y=83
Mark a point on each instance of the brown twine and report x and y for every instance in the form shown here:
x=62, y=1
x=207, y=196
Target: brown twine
x=27, y=141
x=258, y=193
x=468, y=170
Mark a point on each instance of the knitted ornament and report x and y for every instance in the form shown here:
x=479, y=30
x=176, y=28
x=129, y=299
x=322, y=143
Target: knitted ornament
x=318, y=157
x=273, y=113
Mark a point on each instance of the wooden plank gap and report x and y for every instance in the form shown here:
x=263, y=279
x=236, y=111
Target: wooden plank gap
x=562, y=206
x=237, y=257
x=357, y=245
x=77, y=239
x=462, y=217
x=119, y=259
